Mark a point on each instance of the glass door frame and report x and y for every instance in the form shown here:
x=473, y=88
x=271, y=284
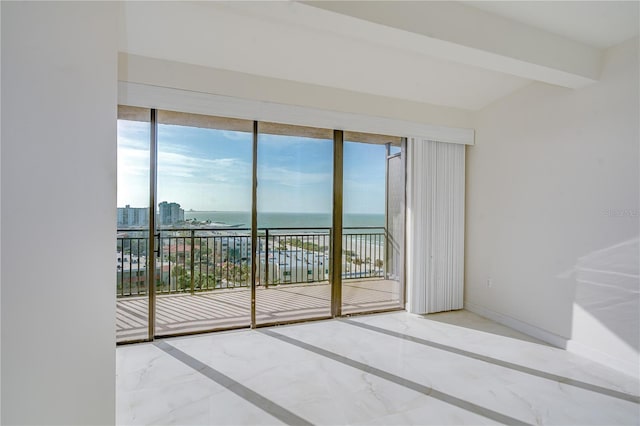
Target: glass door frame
x=153, y=228
x=335, y=272
x=403, y=158
x=289, y=130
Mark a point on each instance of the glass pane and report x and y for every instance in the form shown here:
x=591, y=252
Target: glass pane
x=204, y=204
x=365, y=280
x=295, y=184
x=395, y=227
x=132, y=307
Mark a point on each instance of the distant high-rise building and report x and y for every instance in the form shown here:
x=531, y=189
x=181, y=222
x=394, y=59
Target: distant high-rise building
x=133, y=216
x=170, y=213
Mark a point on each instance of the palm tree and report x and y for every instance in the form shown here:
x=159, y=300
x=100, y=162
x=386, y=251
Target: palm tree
x=182, y=278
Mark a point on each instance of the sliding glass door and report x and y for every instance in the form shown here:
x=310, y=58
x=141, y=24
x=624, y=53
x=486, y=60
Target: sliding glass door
x=373, y=224
x=294, y=205
x=132, y=241
x=203, y=222
x=226, y=223
x=395, y=224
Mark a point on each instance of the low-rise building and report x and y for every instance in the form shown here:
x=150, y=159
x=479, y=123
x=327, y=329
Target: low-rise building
x=293, y=266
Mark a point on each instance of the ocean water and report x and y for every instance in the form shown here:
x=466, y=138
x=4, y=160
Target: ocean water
x=283, y=220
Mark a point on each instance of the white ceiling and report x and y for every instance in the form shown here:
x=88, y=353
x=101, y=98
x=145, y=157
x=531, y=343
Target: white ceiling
x=315, y=45
x=596, y=23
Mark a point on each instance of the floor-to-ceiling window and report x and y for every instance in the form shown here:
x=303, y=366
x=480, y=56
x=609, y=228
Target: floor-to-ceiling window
x=132, y=282
x=204, y=187
x=294, y=207
x=244, y=223
x=373, y=218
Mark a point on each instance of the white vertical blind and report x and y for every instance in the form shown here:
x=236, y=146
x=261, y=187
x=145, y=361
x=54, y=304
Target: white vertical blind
x=435, y=226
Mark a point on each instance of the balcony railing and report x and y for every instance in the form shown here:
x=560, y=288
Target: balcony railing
x=204, y=259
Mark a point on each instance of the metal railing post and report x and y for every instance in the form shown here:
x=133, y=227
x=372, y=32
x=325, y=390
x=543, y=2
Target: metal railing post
x=266, y=258
x=193, y=261
x=385, y=270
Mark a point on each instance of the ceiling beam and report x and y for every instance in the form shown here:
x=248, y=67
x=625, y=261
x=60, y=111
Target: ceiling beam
x=455, y=32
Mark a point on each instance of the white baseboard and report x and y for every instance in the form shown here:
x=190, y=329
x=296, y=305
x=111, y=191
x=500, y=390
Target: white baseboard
x=521, y=326
x=626, y=367
x=570, y=345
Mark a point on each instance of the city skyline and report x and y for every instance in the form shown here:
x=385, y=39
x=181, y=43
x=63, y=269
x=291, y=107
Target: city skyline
x=249, y=211
x=210, y=170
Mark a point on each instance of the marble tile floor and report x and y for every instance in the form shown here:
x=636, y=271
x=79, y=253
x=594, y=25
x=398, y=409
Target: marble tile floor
x=384, y=369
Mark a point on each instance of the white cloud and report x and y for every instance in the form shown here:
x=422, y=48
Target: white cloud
x=134, y=162
x=125, y=142
x=236, y=136
x=217, y=170
x=292, y=178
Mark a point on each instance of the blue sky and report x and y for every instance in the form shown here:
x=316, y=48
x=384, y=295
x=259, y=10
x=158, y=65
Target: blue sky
x=205, y=169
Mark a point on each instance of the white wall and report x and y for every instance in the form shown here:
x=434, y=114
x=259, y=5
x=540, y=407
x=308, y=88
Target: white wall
x=0, y=220
x=59, y=80
x=552, y=212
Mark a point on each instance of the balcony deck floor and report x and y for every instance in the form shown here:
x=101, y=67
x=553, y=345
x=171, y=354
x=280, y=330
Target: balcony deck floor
x=219, y=309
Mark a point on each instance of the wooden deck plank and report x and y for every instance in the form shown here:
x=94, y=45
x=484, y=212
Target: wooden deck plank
x=226, y=308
